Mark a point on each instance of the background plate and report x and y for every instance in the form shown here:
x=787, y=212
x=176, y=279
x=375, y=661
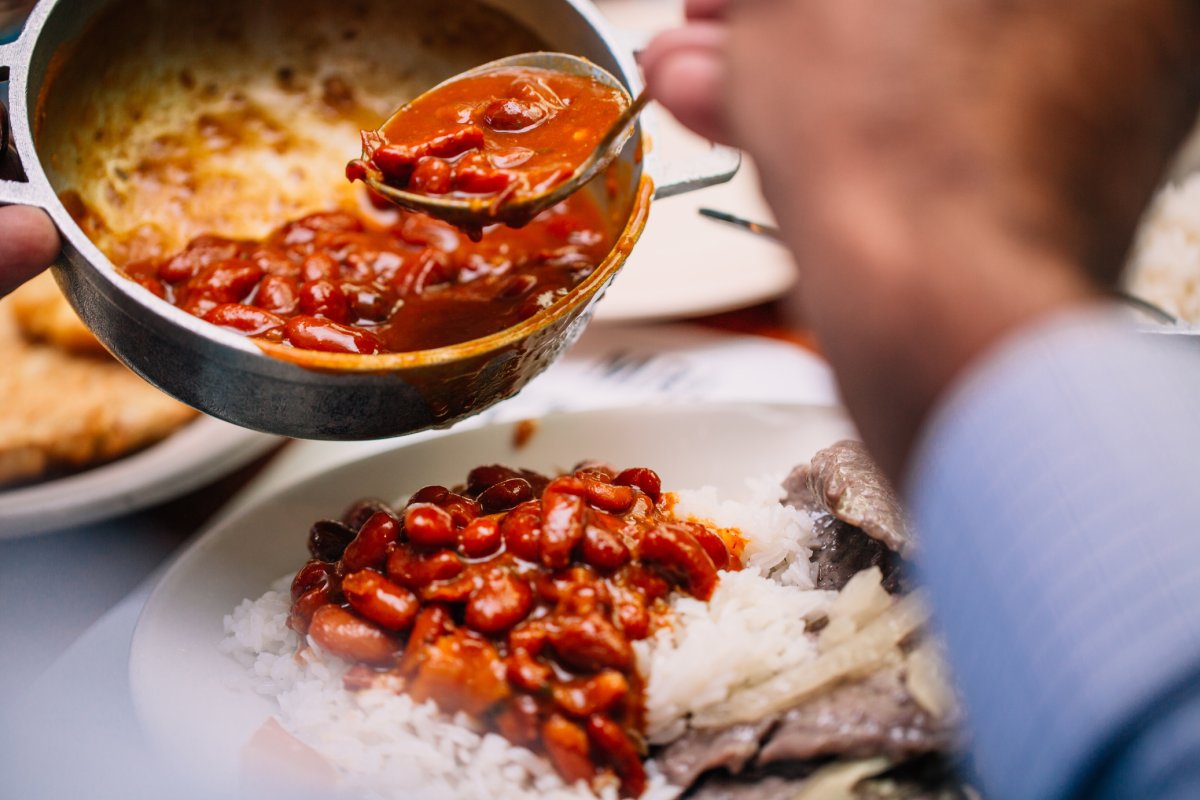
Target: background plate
x=196, y=454
x=194, y=703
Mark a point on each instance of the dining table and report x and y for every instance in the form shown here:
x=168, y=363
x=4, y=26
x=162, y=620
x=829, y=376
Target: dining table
x=70, y=598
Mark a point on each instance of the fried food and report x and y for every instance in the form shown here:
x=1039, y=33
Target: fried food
x=44, y=315
x=65, y=410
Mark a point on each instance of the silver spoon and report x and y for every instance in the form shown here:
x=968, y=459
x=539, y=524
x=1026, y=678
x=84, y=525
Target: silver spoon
x=473, y=213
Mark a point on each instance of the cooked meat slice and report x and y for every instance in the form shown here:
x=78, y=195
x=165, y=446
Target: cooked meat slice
x=842, y=551
x=844, y=481
x=698, y=751
x=758, y=787
x=872, y=717
x=930, y=777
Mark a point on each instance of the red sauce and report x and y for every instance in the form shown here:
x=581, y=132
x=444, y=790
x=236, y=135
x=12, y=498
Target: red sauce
x=502, y=134
x=338, y=283
x=515, y=599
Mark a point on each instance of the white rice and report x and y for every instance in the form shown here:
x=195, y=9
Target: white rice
x=1165, y=266
x=385, y=745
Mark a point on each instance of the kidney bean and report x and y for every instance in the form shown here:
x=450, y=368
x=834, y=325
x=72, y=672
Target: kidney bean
x=278, y=294
x=226, y=281
x=520, y=722
x=474, y=174
x=304, y=606
x=514, y=116
x=357, y=513
x=590, y=643
x=619, y=751
x=370, y=547
x=632, y=617
x=522, y=531
x=431, y=176
x=152, y=284
x=607, y=497
x=327, y=539
x=712, y=543
x=455, y=143
x=200, y=253
x=367, y=302
x=562, y=526
x=453, y=591
x=428, y=525
x=314, y=333
x=379, y=600
x=530, y=636
x=603, y=549
x=567, y=746
x=198, y=304
x=480, y=537
x=275, y=263
x=527, y=673
x=598, y=470
x=429, y=494
x=396, y=162
x=244, y=319
x=482, y=478
x=649, y=583
x=592, y=695
x=505, y=494
x=312, y=574
x=677, y=550
x=499, y=602
x=319, y=267
x=324, y=298
x=416, y=570
x=345, y=635
x=432, y=622
x=461, y=509
x=645, y=479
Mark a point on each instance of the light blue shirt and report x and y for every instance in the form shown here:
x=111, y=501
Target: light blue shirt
x=1057, y=494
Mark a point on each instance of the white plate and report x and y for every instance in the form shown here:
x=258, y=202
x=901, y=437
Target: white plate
x=685, y=265
x=185, y=691
x=201, y=451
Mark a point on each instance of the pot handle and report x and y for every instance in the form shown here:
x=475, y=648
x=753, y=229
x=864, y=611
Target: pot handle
x=13, y=185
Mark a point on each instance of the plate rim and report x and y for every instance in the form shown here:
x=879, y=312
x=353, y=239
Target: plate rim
x=198, y=452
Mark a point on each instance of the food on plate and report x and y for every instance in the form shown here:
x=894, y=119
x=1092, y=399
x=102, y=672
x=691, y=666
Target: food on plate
x=44, y=315
x=64, y=410
x=496, y=136
x=1165, y=266
x=592, y=635
x=339, y=282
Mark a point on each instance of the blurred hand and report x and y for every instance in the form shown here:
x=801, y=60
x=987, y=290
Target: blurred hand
x=28, y=244
x=944, y=172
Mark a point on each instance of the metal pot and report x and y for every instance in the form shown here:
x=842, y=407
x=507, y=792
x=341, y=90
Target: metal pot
x=63, y=79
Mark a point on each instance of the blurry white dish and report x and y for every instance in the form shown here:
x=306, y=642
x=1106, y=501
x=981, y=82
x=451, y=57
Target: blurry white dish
x=687, y=266
x=199, y=452
x=195, y=703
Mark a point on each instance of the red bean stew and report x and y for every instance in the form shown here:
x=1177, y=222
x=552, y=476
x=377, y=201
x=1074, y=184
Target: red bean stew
x=338, y=283
x=502, y=134
x=515, y=599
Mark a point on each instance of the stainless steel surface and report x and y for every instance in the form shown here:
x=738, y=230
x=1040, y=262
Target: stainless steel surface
x=483, y=211
x=769, y=231
x=228, y=376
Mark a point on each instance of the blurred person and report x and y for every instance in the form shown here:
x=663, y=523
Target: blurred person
x=959, y=183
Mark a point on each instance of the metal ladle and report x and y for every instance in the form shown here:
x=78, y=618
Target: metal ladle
x=474, y=213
